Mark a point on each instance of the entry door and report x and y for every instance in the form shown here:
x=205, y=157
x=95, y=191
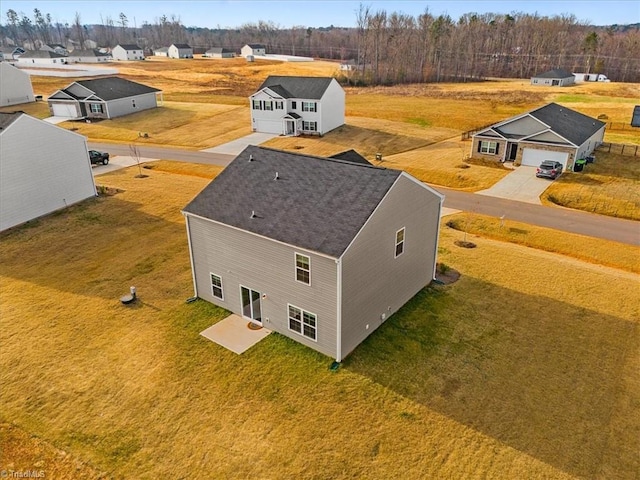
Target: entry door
x=291, y=127
x=513, y=152
x=251, y=306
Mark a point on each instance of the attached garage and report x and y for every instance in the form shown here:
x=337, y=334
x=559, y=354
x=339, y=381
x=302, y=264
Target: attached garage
x=533, y=157
x=67, y=110
x=268, y=126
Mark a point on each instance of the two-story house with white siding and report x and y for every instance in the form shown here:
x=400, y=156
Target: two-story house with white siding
x=321, y=250
x=289, y=105
x=107, y=97
x=180, y=50
x=127, y=52
x=15, y=86
x=43, y=168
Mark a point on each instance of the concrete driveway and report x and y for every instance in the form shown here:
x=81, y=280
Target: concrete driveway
x=521, y=185
x=56, y=120
x=236, y=146
x=118, y=162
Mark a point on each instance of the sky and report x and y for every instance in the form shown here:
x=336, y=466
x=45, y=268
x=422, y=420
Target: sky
x=312, y=13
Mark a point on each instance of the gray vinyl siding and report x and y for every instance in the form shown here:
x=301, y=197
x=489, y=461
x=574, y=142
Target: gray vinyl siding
x=374, y=282
x=242, y=258
x=39, y=177
x=124, y=106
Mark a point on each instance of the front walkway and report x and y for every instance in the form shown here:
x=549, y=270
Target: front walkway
x=233, y=333
x=521, y=185
x=236, y=146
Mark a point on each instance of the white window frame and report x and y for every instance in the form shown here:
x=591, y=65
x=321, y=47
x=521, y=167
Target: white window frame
x=309, y=126
x=268, y=105
x=301, y=269
x=98, y=108
x=221, y=287
x=302, y=322
x=279, y=105
x=488, y=147
x=309, y=107
x=256, y=105
x=399, y=243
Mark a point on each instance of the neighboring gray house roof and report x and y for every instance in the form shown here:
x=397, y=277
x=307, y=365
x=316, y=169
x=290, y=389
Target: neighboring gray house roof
x=7, y=119
x=162, y=49
x=111, y=88
x=181, y=45
x=11, y=50
x=557, y=73
x=574, y=126
x=129, y=46
x=315, y=203
x=88, y=53
x=297, y=87
x=635, y=120
x=219, y=50
x=255, y=45
x=351, y=156
x=41, y=54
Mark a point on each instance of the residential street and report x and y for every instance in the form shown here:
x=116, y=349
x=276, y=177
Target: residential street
x=573, y=221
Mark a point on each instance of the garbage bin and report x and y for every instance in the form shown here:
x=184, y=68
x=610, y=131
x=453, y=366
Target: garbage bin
x=579, y=165
x=591, y=159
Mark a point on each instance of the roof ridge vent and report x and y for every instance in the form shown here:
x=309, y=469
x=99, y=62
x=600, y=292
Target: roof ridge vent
x=253, y=214
x=277, y=176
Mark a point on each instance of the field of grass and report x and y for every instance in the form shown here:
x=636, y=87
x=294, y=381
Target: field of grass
x=609, y=186
x=511, y=372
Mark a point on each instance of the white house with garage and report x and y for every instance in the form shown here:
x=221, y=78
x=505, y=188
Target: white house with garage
x=42, y=58
x=289, y=105
x=124, y=52
x=15, y=86
x=253, y=49
x=43, y=168
x=180, y=50
x=88, y=56
x=108, y=97
x=551, y=132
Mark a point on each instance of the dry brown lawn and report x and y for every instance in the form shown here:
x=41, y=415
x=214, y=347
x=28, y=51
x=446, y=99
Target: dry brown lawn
x=524, y=368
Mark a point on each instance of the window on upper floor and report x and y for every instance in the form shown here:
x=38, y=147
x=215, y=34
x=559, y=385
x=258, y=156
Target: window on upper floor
x=268, y=105
x=279, y=105
x=294, y=105
x=400, y=242
x=256, y=105
x=303, y=269
x=309, y=106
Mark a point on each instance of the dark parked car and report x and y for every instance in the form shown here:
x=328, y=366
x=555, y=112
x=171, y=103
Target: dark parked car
x=98, y=157
x=549, y=169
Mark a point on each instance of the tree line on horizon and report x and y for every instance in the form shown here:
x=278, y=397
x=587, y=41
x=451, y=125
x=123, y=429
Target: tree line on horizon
x=384, y=48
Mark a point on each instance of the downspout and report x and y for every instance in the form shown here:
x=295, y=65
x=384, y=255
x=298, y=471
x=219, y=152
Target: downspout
x=193, y=267
x=339, y=310
x=435, y=252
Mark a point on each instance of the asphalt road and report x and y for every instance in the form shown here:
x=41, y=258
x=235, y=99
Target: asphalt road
x=558, y=218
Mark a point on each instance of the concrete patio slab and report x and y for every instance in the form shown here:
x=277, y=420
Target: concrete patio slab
x=521, y=185
x=56, y=120
x=236, y=146
x=233, y=333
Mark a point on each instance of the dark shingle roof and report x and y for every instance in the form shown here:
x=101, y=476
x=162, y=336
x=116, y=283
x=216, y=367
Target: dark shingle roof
x=316, y=203
x=128, y=46
x=297, y=87
x=219, y=50
x=256, y=45
x=88, y=53
x=557, y=73
x=110, y=88
x=181, y=45
x=574, y=126
x=7, y=119
x=351, y=156
x=41, y=54
x=635, y=120
x=162, y=49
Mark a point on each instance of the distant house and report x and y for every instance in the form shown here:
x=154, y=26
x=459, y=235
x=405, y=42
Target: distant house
x=347, y=66
x=43, y=168
x=635, y=118
x=88, y=56
x=127, y=52
x=554, y=78
x=296, y=105
x=219, y=52
x=108, y=97
x=10, y=53
x=41, y=57
x=15, y=86
x=322, y=251
x=161, y=52
x=551, y=132
x=590, y=77
x=180, y=50
x=56, y=48
x=255, y=49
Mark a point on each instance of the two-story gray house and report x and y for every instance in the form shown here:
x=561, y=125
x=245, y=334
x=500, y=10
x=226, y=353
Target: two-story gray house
x=321, y=250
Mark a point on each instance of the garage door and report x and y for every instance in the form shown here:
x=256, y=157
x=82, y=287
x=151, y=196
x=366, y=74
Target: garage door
x=533, y=157
x=268, y=126
x=64, y=110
